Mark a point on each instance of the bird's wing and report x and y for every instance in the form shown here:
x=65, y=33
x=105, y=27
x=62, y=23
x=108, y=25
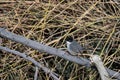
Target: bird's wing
x=76, y=47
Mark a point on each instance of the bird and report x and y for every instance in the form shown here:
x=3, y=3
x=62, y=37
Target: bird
x=73, y=47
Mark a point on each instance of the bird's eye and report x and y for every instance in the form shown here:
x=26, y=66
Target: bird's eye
x=69, y=38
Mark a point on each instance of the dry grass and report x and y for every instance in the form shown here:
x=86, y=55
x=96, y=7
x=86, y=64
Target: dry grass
x=94, y=24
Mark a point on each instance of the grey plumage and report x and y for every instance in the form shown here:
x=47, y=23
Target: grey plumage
x=74, y=48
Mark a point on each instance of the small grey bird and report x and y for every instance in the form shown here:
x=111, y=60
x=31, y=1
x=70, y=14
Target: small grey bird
x=73, y=47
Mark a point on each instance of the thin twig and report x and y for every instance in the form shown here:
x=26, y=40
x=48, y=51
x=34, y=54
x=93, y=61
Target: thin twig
x=36, y=73
x=23, y=55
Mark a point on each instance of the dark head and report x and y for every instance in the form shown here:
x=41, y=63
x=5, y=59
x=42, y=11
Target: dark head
x=69, y=38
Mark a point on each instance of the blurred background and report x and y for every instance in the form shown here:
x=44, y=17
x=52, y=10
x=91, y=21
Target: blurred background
x=92, y=23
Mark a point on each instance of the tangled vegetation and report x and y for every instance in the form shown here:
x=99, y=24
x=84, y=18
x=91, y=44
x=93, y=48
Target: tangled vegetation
x=93, y=23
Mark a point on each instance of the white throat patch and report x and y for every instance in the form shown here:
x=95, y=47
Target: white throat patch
x=68, y=43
